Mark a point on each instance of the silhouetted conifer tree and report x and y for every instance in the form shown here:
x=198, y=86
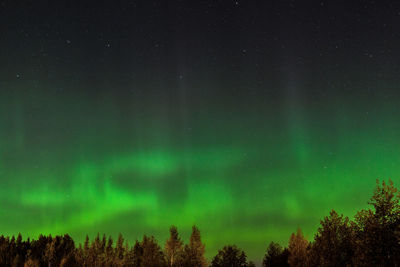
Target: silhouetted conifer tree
x=120, y=249
x=194, y=252
x=334, y=242
x=86, y=251
x=109, y=252
x=129, y=258
x=152, y=253
x=137, y=254
x=50, y=253
x=79, y=256
x=377, y=230
x=230, y=256
x=173, y=248
x=276, y=256
x=298, y=246
x=103, y=244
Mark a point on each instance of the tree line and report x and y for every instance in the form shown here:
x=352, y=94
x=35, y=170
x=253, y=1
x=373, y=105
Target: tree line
x=102, y=251
x=371, y=239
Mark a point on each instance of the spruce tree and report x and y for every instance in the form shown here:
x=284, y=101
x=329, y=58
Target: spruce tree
x=152, y=253
x=298, y=246
x=230, y=256
x=173, y=247
x=194, y=252
x=334, y=242
x=120, y=247
x=276, y=256
x=137, y=254
x=377, y=230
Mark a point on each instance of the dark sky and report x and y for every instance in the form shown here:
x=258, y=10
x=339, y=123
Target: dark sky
x=118, y=42
x=130, y=116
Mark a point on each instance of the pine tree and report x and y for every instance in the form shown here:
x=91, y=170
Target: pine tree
x=103, y=244
x=18, y=243
x=79, y=256
x=298, y=249
x=109, y=251
x=12, y=251
x=275, y=256
x=137, y=254
x=152, y=253
x=194, y=252
x=86, y=247
x=377, y=230
x=173, y=247
x=38, y=248
x=334, y=242
x=119, y=249
x=97, y=245
x=230, y=256
x=129, y=259
x=97, y=251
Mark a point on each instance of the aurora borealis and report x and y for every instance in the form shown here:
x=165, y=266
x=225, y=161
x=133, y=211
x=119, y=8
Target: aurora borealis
x=248, y=121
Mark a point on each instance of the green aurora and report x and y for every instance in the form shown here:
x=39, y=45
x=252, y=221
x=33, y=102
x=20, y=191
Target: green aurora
x=243, y=177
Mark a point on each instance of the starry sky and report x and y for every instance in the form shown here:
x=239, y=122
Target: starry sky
x=248, y=119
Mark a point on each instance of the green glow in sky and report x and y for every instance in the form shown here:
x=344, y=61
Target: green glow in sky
x=243, y=175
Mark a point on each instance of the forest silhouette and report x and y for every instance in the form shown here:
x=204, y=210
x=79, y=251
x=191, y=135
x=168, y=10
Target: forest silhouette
x=371, y=239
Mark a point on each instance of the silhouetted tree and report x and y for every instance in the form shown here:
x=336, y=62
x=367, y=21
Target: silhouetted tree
x=109, y=250
x=86, y=252
x=79, y=256
x=230, y=256
x=120, y=249
x=103, y=244
x=173, y=248
x=276, y=256
x=152, y=254
x=334, y=242
x=129, y=259
x=298, y=249
x=137, y=254
x=97, y=250
x=50, y=253
x=38, y=249
x=377, y=230
x=58, y=248
x=193, y=254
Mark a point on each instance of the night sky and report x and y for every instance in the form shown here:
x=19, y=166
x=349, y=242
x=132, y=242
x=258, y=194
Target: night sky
x=248, y=119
